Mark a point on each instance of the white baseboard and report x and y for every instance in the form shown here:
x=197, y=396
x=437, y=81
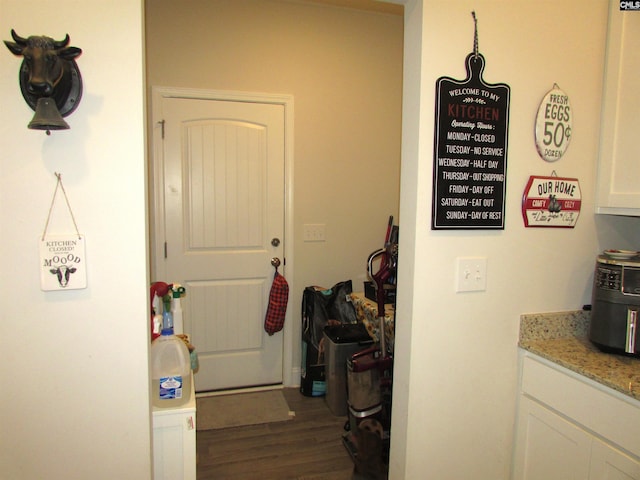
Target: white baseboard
x=294, y=380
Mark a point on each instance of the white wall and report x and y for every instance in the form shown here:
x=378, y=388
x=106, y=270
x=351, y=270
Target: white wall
x=74, y=364
x=455, y=378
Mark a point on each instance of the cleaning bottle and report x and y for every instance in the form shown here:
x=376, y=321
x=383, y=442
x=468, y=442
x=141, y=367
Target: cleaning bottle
x=158, y=291
x=170, y=369
x=156, y=324
x=176, y=308
x=167, y=321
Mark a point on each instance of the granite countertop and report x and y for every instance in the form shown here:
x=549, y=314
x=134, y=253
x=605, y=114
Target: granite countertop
x=562, y=337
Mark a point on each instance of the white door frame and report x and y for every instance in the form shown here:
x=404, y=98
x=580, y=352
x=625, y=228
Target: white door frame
x=290, y=374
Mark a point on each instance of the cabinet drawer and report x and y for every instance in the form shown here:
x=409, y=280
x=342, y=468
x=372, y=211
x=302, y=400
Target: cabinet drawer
x=596, y=407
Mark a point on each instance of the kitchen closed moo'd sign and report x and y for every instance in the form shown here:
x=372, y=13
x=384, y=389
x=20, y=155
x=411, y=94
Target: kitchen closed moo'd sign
x=551, y=202
x=62, y=263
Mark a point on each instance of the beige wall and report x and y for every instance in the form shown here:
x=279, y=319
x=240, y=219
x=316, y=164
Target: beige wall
x=343, y=68
x=456, y=353
x=74, y=364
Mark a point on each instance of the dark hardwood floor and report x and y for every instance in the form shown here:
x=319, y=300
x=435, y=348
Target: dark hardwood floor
x=308, y=447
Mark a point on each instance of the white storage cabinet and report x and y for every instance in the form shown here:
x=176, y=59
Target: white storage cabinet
x=618, y=188
x=174, y=441
x=571, y=428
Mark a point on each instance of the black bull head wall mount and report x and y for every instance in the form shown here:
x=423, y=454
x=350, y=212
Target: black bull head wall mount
x=50, y=80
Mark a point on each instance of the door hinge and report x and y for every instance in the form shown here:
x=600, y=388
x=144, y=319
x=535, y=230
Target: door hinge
x=165, y=249
x=161, y=122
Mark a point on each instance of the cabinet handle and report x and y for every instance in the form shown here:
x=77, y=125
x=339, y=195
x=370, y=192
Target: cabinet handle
x=190, y=425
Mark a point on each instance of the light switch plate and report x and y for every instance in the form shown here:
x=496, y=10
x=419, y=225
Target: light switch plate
x=313, y=232
x=471, y=274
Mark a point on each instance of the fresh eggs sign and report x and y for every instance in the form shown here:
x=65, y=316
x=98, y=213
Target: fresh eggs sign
x=553, y=125
x=470, y=151
x=551, y=202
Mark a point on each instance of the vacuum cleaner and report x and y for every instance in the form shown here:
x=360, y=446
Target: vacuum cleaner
x=369, y=378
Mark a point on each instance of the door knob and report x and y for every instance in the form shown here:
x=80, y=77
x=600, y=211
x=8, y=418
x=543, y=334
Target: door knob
x=275, y=261
x=275, y=241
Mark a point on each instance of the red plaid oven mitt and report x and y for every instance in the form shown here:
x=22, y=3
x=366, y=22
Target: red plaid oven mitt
x=278, y=298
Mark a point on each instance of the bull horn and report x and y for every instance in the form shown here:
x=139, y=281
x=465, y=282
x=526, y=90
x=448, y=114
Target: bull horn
x=17, y=38
x=61, y=43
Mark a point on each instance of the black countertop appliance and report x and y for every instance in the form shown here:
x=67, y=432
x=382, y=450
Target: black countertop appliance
x=616, y=303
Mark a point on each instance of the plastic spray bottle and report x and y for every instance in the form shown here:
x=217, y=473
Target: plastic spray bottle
x=176, y=308
x=157, y=317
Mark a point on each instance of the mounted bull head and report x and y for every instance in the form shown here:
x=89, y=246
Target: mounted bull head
x=48, y=71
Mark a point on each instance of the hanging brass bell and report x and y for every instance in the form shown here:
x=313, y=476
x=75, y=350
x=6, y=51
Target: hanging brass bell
x=47, y=116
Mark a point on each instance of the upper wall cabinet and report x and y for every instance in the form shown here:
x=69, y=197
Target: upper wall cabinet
x=618, y=182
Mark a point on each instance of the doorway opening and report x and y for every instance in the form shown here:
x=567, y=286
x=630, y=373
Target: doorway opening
x=343, y=67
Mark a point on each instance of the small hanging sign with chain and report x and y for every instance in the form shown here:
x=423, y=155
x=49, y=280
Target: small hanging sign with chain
x=551, y=202
x=62, y=257
x=470, y=149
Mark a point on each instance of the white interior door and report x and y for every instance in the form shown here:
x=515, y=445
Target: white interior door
x=223, y=198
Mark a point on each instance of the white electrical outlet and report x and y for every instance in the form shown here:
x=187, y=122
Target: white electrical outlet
x=471, y=274
x=313, y=232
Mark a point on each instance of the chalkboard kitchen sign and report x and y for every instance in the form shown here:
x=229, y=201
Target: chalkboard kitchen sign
x=470, y=151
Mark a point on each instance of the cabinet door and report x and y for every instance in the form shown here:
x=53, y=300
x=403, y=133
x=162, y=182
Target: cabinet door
x=609, y=463
x=618, y=189
x=548, y=447
x=174, y=445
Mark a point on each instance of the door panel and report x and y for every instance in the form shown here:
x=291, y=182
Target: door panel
x=548, y=447
x=609, y=463
x=225, y=170
x=223, y=203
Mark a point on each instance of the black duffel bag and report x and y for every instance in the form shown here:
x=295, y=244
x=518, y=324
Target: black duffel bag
x=321, y=307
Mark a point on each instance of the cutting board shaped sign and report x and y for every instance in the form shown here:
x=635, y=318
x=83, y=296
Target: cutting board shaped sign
x=470, y=151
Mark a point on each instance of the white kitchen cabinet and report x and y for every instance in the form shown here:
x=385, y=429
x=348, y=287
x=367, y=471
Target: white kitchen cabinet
x=548, y=446
x=571, y=428
x=618, y=189
x=174, y=441
x=609, y=463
